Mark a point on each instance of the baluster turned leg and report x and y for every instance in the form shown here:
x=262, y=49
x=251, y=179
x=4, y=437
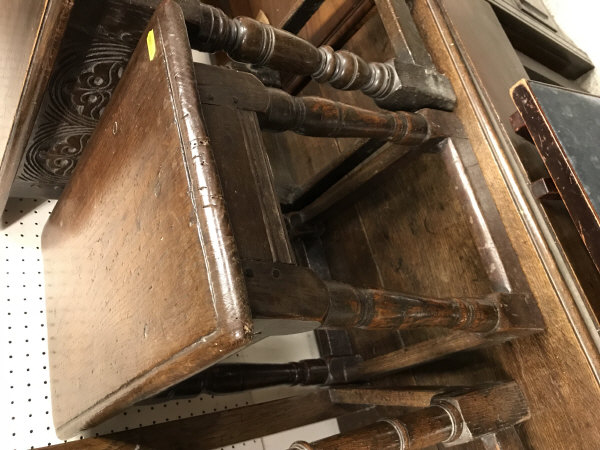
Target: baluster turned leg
x=292, y=293
x=351, y=307
x=316, y=116
x=394, y=85
x=228, y=378
x=423, y=428
x=455, y=417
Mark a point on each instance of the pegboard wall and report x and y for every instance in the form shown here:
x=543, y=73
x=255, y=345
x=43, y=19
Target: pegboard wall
x=26, y=413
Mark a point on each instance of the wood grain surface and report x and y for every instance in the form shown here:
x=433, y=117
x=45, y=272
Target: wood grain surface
x=408, y=231
x=555, y=369
x=19, y=27
x=143, y=284
x=30, y=34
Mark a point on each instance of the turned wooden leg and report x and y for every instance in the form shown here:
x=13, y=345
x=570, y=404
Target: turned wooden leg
x=374, y=308
x=396, y=84
x=287, y=292
x=423, y=428
x=227, y=378
x=316, y=116
x=454, y=417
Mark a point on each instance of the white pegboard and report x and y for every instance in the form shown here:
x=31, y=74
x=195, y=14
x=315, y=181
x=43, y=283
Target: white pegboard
x=26, y=414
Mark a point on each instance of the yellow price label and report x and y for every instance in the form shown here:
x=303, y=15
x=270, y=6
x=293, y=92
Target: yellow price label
x=151, y=44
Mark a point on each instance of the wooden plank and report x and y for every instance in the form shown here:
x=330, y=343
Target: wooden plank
x=19, y=29
x=429, y=349
x=144, y=286
x=30, y=34
x=333, y=20
x=404, y=397
x=277, y=11
x=97, y=44
x=299, y=160
x=480, y=65
x=242, y=169
x=222, y=428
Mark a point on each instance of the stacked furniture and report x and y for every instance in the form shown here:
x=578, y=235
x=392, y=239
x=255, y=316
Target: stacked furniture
x=168, y=249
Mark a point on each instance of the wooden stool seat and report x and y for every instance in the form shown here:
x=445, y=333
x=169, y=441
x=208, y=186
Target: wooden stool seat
x=144, y=287
x=168, y=250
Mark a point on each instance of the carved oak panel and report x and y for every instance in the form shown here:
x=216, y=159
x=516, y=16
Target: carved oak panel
x=99, y=40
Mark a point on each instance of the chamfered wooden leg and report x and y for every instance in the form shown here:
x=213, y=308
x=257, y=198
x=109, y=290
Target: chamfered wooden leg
x=287, y=292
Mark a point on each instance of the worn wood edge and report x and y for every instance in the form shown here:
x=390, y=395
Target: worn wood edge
x=416, y=354
x=53, y=23
x=276, y=233
x=520, y=313
x=590, y=213
x=410, y=397
x=179, y=366
x=538, y=231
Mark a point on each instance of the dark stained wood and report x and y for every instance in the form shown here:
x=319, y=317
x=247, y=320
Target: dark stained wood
x=250, y=41
x=414, y=398
x=578, y=258
x=31, y=32
x=222, y=428
x=301, y=159
x=403, y=34
x=467, y=43
x=439, y=220
x=316, y=116
x=454, y=417
x=381, y=435
x=98, y=41
x=335, y=21
x=296, y=293
x=396, y=85
x=332, y=24
x=147, y=197
x=278, y=12
x=416, y=354
x=20, y=26
x=230, y=377
x=241, y=167
x=539, y=72
x=562, y=123
x=545, y=189
x=206, y=197
x=366, y=162
x=297, y=16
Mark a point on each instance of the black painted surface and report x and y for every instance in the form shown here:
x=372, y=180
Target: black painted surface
x=575, y=119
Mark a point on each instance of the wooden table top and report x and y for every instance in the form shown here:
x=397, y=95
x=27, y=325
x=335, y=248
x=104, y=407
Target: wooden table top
x=142, y=280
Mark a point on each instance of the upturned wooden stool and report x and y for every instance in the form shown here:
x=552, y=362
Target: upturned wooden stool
x=168, y=251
